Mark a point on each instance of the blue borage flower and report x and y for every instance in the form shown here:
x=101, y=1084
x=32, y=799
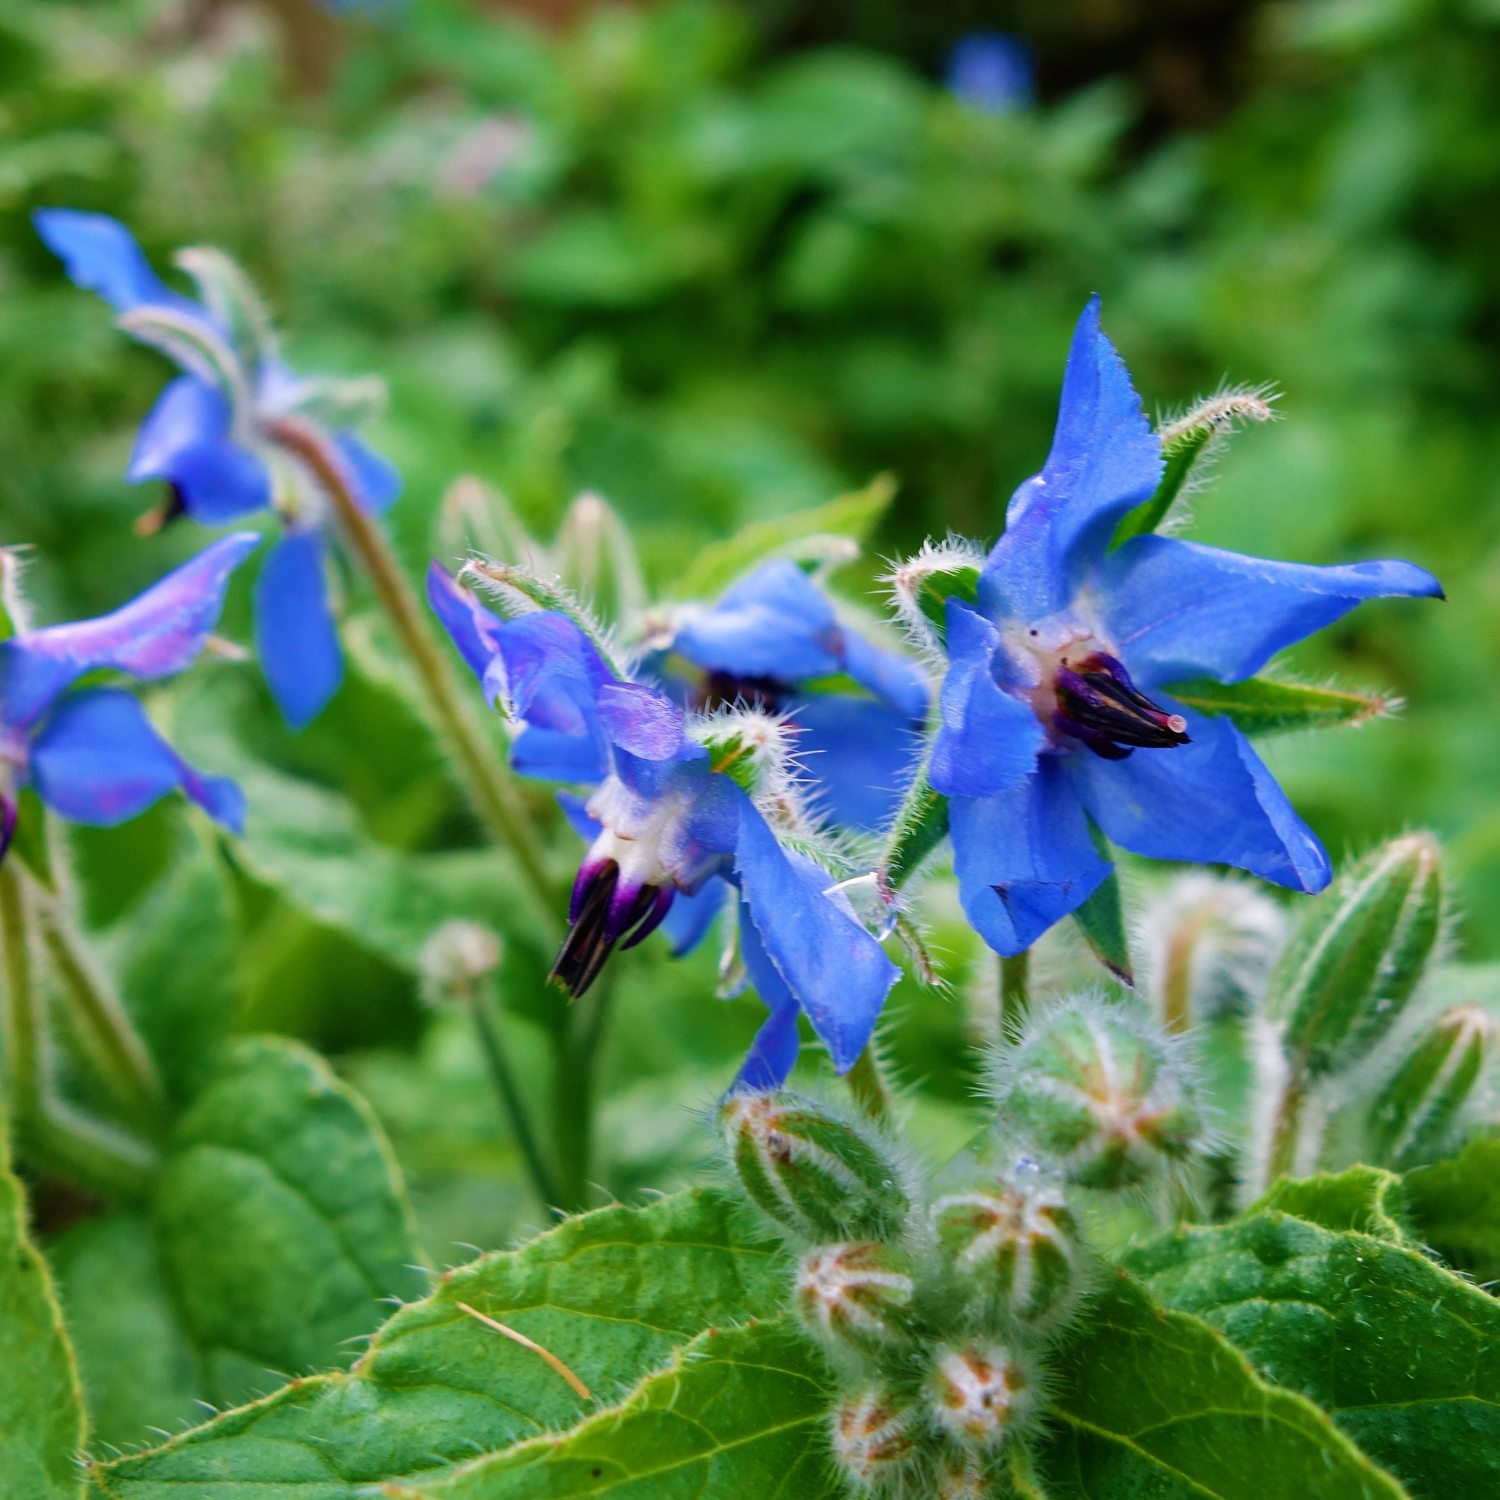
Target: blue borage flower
x=991, y=71
x=1053, y=707
x=212, y=435
x=92, y=754
x=763, y=642
x=670, y=833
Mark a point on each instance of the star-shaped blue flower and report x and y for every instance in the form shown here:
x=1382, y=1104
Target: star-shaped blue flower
x=92, y=754
x=768, y=637
x=669, y=835
x=210, y=436
x=1053, y=709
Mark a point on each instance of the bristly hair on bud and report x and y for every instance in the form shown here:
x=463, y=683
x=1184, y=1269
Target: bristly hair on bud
x=874, y=1440
x=16, y=618
x=982, y=1394
x=921, y=584
x=1192, y=441
x=757, y=750
x=1207, y=945
x=855, y=1296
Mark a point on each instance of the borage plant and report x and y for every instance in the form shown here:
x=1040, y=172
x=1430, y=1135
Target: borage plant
x=1219, y=1224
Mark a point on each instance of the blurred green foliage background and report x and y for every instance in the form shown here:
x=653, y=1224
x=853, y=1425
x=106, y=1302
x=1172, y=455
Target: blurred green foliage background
x=721, y=262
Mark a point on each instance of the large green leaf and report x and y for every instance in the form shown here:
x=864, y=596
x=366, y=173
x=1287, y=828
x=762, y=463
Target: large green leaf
x=41, y=1407
x=611, y=1293
x=1364, y=1199
x=737, y=1415
x=1455, y=1207
x=1404, y=1355
x=1156, y=1404
x=281, y=1219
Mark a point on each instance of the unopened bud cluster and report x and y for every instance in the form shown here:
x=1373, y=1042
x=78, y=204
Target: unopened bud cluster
x=934, y=1312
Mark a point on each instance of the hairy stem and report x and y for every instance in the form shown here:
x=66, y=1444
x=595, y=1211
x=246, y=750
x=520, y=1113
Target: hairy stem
x=1015, y=995
x=1286, y=1128
x=484, y=777
x=867, y=1084
x=504, y=1078
x=576, y=1032
x=1177, y=981
x=23, y=1045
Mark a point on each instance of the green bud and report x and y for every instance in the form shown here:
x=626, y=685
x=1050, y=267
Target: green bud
x=1102, y=1090
x=854, y=1295
x=874, y=1438
x=1414, y=1111
x=1358, y=953
x=980, y=1394
x=962, y=1479
x=812, y=1172
x=1012, y=1246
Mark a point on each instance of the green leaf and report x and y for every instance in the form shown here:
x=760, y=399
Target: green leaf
x=281, y=1218
x=1101, y=919
x=1455, y=1207
x=1262, y=705
x=611, y=1293
x=737, y=1415
x=138, y=1369
x=854, y=515
x=1156, y=1403
x=41, y=1406
x=1363, y=1199
x=1404, y=1355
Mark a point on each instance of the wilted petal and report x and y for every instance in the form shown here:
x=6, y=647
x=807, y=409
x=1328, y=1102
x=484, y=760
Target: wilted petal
x=101, y=255
x=156, y=634
x=377, y=480
x=1105, y=460
x=773, y=1053
x=295, y=634
x=185, y=440
x=1177, y=609
x=838, y=973
x=473, y=629
x=988, y=740
x=1024, y=858
x=1208, y=802
x=99, y=760
x=857, y=758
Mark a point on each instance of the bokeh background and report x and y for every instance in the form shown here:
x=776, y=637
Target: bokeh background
x=719, y=262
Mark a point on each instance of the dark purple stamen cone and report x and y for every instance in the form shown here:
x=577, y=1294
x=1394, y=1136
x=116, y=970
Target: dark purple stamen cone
x=1099, y=705
x=599, y=919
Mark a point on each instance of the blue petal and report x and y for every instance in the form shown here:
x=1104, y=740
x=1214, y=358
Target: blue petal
x=857, y=757
x=838, y=973
x=893, y=679
x=641, y=720
x=99, y=760
x=545, y=755
x=1105, y=460
x=690, y=917
x=473, y=628
x=576, y=811
x=776, y=623
x=377, y=480
x=988, y=739
x=773, y=1053
x=1176, y=609
x=1209, y=802
x=552, y=674
x=154, y=635
x=101, y=255
x=185, y=440
x=1024, y=859
x=295, y=634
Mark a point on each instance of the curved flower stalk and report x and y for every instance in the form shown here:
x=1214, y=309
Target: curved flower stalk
x=766, y=642
x=218, y=435
x=91, y=753
x=1056, y=710
x=678, y=816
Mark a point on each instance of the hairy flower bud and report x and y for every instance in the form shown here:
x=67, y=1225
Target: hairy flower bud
x=1354, y=961
x=873, y=1440
x=455, y=959
x=980, y=1395
x=1414, y=1111
x=812, y=1172
x=1102, y=1090
x=854, y=1294
x=1011, y=1245
x=962, y=1479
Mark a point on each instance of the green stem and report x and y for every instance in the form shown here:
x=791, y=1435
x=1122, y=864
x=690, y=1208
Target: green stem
x=503, y=1075
x=485, y=779
x=23, y=1049
x=575, y=1039
x=1015, y=995
x=868, y=1085
x=1287, y=1129
x=119, y=1055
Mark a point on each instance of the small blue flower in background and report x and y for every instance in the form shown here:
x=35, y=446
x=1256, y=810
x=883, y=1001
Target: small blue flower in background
x=670, y=834
x=211, y=435
x=771, y=635
x=992, y=72
x=1052, y=708
x=92, y=754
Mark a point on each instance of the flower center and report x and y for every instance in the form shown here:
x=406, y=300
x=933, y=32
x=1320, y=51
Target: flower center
x=1083, y=692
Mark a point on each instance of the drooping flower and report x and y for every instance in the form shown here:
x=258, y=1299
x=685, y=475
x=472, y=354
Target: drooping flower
x=91, y=753
x=766, y=642
x=213, y=435
x=673, y=829
x=1054, y=707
